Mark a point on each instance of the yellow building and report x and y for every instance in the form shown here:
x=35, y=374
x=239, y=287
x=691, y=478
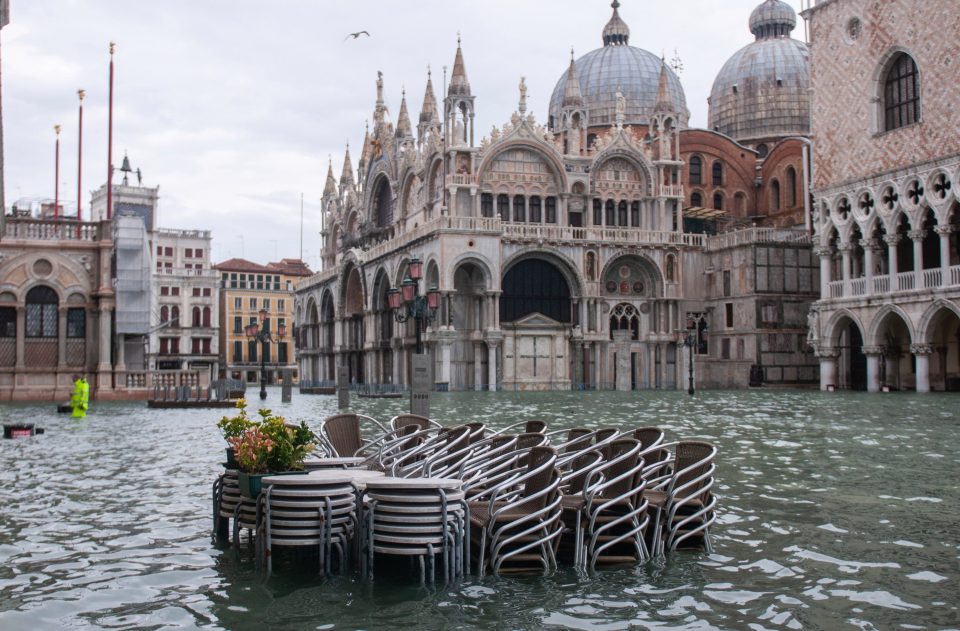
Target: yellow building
x=251, y=293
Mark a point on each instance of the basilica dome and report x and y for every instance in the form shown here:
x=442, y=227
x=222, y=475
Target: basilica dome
x=762, y=92
x=619, y=66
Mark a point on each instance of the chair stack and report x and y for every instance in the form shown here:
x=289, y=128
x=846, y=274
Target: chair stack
x=421, y=518
x=226, y=497
x=307, y=511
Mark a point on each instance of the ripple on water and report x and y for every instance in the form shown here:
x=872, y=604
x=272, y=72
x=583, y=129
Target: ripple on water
x=105, y=523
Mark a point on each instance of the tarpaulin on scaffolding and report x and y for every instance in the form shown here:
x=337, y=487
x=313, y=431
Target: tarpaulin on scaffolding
x=133, y=276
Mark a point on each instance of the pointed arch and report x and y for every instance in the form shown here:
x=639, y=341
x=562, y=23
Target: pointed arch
x=929, y=321
x=882, y=319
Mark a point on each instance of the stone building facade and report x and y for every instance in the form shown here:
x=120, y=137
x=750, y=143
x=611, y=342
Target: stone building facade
x=570, y=254
x=886, y=187
x=246, y=288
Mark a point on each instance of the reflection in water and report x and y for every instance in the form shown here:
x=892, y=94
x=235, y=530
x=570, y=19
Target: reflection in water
x=836, y=510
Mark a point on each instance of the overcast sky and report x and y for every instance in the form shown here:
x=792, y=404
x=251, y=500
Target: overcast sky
x=233, y=106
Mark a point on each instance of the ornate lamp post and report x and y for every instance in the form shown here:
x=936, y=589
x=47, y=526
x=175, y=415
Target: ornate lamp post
x=689, y=339
x=407, y=302
x=263, y=336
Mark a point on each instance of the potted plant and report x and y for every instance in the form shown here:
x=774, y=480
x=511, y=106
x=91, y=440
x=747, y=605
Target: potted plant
x=270, y=446
x=233, y=427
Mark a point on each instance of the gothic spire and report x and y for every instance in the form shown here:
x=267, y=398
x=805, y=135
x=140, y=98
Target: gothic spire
x=664, y=102
x=428, y=112
x=365, y=150
x=331, y=186
x=572, y=96
x=458, y=80
x=404, y=128
x=346, y=178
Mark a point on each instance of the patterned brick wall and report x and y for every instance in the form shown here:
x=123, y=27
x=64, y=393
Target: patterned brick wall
x=845, y=71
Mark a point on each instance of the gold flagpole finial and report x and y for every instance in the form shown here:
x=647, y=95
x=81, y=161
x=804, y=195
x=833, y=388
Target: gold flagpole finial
x=81, y=93
x=57, y=129
x=113, y=45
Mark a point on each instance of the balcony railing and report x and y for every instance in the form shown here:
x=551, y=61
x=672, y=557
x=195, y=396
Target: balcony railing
x=50, y=230
x=934, y=278
x=757, y=235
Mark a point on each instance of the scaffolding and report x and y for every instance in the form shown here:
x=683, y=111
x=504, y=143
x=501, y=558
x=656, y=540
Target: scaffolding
x=133, y=276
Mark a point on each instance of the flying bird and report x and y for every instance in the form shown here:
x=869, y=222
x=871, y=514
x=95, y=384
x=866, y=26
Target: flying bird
x=356, y=35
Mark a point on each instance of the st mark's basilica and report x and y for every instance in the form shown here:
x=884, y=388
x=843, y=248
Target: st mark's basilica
x=584, y=250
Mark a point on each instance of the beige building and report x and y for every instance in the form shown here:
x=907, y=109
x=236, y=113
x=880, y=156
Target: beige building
x=246, y=288
x=887, y=193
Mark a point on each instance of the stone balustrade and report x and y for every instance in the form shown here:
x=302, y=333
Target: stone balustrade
x=934, y=278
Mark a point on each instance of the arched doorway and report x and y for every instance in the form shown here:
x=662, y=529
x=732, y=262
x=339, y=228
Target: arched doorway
x=470, y=317
x=41, y=328
x=383, y=330
x=326, y=336
x=897, y=369
x=536, y=317
x=943, y=336
x=851, y=363
x=354, y=337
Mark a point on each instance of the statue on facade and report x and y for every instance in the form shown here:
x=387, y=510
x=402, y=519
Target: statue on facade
x=813, y=327
x=621, y=107
x=523, y=94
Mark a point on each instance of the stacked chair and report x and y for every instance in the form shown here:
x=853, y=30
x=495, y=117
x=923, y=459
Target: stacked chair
x=517, y=501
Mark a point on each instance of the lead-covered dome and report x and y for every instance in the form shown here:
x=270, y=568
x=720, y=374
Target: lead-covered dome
x=634, y=71
x=762, y=92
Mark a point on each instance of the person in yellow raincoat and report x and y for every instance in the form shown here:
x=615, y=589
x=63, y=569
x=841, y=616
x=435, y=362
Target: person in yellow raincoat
x=80, y=399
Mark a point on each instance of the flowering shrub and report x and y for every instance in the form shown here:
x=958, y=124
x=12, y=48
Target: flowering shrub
x=268, y=443
x=252, y=450
x=234, y=426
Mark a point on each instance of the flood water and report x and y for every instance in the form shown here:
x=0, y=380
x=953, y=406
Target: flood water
x=836, y=511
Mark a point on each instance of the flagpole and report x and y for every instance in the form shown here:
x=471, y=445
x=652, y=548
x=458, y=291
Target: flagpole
x=80, y=95
x=301, y=226
x=56, y=175
x=110, y=141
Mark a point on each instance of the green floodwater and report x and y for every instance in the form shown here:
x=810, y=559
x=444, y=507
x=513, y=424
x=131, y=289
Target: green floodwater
x=836, y=511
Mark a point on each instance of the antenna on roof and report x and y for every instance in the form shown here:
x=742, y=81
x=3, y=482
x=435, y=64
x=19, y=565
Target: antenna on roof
x=676, y=63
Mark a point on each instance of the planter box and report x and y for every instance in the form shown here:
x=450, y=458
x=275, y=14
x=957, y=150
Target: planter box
x=250, y=483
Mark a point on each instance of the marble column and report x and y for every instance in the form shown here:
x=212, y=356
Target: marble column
x=874, y=356
x=868, y=245
x=21, y=337
x=922, y=354
x=917, y=236
x=445, y=362
x=892, y=241
x=492, y=365
x=477, y=366
x=944, y=233
x=845, y=251
x=828, y=366
x=825, y=255
x=62, y=337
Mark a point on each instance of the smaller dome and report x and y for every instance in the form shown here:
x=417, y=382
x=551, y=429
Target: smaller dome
x=616, y=31
x=773, y=18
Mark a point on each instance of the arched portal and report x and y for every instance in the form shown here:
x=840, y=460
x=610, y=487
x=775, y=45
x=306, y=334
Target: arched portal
x=942, y=333
x=536, y=318
x=327, y=336
x=535, y=286
x=383, y=330
x=470, y=315
x=353, y=322
x=846, y=336
x=893, y=337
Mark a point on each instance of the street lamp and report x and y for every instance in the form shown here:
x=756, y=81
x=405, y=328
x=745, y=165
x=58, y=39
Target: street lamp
x=689, y=339
x=407, y=302
x=263, y=336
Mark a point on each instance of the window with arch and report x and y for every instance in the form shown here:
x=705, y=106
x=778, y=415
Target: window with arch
x=611, y=213
x=41, y=312
x=671, y=269
x=717, y=201
x=206, y=316
x=551, y=210
x=486, y=205
x=535, y=209
x=175, y=316
x=503, y=207
x=696, y=199
x=519, y=208
x=597, y=212
x=635, y=214
x=622, y=214
x=164, y=314
x=625, y=317
x=775, y=195
x=696, y=170
x=901, y=93
x=197, y=318
x=718, y=173
x=791, y=187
